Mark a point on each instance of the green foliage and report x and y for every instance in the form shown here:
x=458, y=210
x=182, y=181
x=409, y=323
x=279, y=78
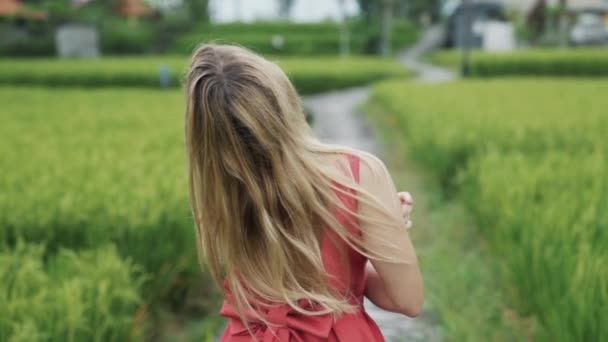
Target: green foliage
x=117, y=35
x=28, y=39
x=71, y=296
x=314, y=75
x=535, y=62
x=459, y=274
x=298, y=39
x=198, y=10
x=61, y=11
x=367, y=36
x=120, y=37
x=412, y=9
x=528, y=157
x=27, y=47
x=310, y=75
x=83, y=169
x=547, y=216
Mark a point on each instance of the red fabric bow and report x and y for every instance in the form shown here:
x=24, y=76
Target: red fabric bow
x=286, y=325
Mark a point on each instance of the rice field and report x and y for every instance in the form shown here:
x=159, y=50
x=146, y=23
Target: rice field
x=529, y=158
x=93, y=180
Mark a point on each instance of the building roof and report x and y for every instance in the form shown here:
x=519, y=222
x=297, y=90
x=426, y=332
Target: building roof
x=10, y=7
x=17, y=8
x=133, y=8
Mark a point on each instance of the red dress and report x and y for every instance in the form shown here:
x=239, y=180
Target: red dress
x=290, y=326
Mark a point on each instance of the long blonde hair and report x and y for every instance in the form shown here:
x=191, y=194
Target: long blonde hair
x=262, y=191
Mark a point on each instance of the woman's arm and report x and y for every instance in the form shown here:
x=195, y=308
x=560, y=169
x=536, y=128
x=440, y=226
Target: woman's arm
x=374, y=290
x=392, y=286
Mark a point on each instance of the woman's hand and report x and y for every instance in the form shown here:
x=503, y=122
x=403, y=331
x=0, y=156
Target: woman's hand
x=407, y=205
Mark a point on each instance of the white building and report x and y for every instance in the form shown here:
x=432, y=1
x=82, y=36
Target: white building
x=526, y=6
x=301, y=11
x=575, y=5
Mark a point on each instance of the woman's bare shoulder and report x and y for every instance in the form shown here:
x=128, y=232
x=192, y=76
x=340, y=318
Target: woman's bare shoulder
x=372, y=170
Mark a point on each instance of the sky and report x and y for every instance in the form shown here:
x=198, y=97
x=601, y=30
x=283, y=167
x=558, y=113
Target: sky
x=302, y=10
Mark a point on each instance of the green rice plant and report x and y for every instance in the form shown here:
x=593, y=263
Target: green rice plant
x=448, y=123
x=71, y=296
x=528, y=157
x=546, y=217
x=589, y=62
x=86, y=168
x=310, y=75
x=460, y=276
x=83, y=169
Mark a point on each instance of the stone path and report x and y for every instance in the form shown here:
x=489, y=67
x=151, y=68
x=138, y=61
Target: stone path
x=337, y=120
x=431, y=39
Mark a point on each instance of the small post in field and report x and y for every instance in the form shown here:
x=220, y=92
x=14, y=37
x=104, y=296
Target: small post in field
x=466, y=39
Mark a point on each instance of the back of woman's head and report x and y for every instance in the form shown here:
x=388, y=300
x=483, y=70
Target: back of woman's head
x=261, y=192
x=250, y=189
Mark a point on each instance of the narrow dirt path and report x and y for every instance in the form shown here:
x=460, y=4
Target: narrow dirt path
x=337, y=120
x=412, y=58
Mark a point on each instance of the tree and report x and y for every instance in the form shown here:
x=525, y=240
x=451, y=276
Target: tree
x=285, y=7
x=411, y=9
x=379, y=14
x=198, y=10
x=387, y=27
x=60, y=11
x=344, y=31
x=369, y=9
x=563, y=22
x=466, y=46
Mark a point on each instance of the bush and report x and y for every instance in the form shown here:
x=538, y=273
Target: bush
x=120, y=37
x=366, y=36
x=310, y=75
x=44, y=46
x=72, y=296
x=529, y=158
x=116, y=37
x=323, y=74
x=25, y=41
x=536, y=62
x=298, y=39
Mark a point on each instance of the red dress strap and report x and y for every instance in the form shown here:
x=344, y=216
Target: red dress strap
x=355, y=165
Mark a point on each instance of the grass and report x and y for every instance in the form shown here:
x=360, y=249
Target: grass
x=588, y=62
x=527, y=158
x=86, y=169
x=310, y=75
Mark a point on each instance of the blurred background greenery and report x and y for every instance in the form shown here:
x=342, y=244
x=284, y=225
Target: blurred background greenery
x=96, y=237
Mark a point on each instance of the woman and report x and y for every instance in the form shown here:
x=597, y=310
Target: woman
x=296, y=232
